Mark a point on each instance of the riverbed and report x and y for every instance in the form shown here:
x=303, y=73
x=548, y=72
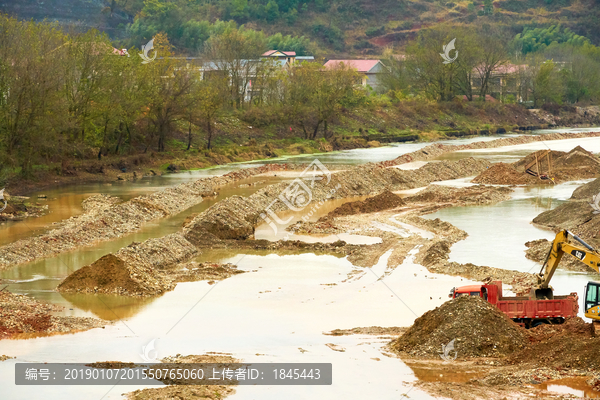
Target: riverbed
x=278, y=310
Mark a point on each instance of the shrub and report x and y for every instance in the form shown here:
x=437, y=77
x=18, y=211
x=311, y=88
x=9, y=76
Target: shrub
x=371, y=32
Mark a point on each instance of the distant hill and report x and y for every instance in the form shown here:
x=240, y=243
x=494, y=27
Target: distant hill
x=353, y=27
x=79, y=14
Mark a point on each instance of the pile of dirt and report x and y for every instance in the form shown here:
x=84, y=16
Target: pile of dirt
x=579, y=215
x=179, y=390
x=537, y=250
x=576, y=164
x=107, y=217
x=111, y=275
x=472, y=195
x=503, y=174
x=236, y=217
x=587, y=192
x=322, y=226
x=158, y=253
x=435, y=150
x=570, y=345
x=21, y=314
x=383, y=201
x=478, y=328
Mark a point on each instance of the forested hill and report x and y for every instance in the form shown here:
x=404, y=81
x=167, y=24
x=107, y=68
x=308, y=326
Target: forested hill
x=354, y=27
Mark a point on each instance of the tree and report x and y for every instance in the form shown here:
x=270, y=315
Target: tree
x=492, y=56
x=208, y=105
x=425, y=66
x=546, y=83
x=314, y=96
x=235, y=53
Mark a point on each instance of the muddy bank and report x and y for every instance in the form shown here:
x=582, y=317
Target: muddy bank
x=445, y=196
x=181, y=391
x=477, y=328
x=24, y=315
x=553, y=166
x=236, y=217
x=113, y=274
x=437, y=149
x=106, y=217
x=579, y=214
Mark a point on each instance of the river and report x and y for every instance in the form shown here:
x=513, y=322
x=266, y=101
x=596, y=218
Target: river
x=278, y=311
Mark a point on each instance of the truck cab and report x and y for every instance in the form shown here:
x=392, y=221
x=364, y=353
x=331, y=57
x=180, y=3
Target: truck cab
x=469, y=290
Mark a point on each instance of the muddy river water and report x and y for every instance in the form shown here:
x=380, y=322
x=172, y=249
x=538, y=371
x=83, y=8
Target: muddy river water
x=279, y=310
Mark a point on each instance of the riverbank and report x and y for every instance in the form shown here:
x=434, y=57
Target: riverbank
x=243, y=141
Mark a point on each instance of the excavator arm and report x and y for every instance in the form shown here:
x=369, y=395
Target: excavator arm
x=561, y=245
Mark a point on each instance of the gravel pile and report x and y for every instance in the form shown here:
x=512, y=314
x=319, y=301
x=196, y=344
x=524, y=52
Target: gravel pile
x=236, y=217
x=159, y=253
x=22, y=314
x=105, y=217
x=576, y=215
x=537, y=250
x=112, y=275
x=383, y=201
x=478, y=328
x=576, y=164
x=437, y=149
x=504, y=174
x=472, y=195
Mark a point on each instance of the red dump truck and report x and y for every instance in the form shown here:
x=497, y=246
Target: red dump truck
x=527, y=311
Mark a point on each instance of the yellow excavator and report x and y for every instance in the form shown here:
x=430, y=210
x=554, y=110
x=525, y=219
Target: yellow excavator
x=584, y=253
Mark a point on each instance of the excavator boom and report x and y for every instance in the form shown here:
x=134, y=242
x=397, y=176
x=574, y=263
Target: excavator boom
x=584, y=253
x=561, y=245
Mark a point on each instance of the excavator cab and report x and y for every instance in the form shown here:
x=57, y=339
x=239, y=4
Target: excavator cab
x=592, y=300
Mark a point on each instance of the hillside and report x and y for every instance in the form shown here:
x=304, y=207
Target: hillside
x=352, y=27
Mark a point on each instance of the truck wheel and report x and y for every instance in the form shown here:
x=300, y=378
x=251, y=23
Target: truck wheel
x=538, y=323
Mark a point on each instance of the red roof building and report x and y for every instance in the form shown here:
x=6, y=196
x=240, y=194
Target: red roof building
x=371, y=69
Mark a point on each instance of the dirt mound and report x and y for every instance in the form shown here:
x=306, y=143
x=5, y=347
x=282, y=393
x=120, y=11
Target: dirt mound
x=112, y=275
x=570, y=345
x=478, y=328
x=472, y=195
x=383, y=201
x=537, y=250
x=587, y=192
x=576, y=164
x=577, y=215
x=236, y=217
x=22, y=314
x=502, y=174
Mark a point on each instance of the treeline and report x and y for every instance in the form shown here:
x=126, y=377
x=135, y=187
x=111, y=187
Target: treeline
x=69, y=97
x=537, y=67
x=187, y=23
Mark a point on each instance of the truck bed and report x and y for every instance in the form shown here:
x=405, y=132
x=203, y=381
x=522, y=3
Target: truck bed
x=525, y=307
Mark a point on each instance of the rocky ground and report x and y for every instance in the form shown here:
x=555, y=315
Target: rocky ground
x=180, y=391
x=22, y=315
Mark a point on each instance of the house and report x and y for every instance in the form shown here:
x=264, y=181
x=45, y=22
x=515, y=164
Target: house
x=288, y=56
x=371, y=69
